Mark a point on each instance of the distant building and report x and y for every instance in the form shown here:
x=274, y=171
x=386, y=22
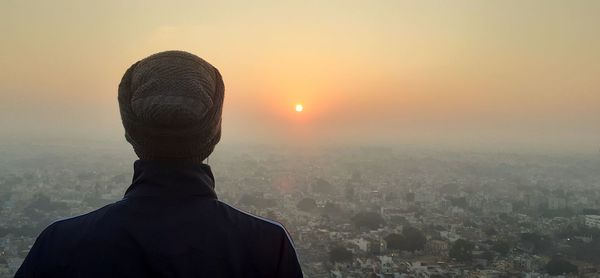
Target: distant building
x=436, y=247
x=592, y=221
x=557, y=202
x=362, y=244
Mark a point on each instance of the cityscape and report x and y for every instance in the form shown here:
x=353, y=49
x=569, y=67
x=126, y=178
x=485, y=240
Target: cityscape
x=391, y=139
x=370, y=211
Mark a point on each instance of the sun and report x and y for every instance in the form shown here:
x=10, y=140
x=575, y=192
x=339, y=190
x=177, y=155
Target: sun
x=299, y=108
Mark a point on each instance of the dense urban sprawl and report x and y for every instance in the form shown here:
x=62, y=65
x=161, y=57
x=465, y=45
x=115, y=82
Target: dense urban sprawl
x=352, y=212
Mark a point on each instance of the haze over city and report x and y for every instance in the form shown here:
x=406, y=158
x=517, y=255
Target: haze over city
x=388, y=138
x=493, y=75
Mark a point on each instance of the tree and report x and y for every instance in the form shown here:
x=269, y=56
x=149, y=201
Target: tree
x=490, y=231
x=390, y=196
x=488, y=255
x=558, y=266
x=307, y=204
x=332, y=210
x=541, y=243
x=340, y=254
x=370, y=220
x=411, y=239
x=450, y=188
x=322, y=186
x=257, y=201
x=395, y=242
x=460, y=202
x=501, y=247
x=462, y=250
x=415, y=239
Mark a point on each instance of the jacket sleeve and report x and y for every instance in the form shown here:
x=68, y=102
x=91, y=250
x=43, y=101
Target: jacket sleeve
x=33, y=265
x=288, y=265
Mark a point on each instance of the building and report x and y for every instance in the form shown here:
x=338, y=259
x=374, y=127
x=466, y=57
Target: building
x=592, y=221
x=436, y=247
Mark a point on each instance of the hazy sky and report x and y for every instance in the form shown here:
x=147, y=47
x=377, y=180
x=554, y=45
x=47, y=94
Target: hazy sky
x=471, y=73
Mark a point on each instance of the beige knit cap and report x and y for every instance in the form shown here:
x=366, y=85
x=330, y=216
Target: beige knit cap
x=171, y=105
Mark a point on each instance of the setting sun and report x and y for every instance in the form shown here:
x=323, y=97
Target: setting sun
x=299, y=107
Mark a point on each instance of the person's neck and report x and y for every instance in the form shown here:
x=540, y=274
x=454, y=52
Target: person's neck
x=184, y=160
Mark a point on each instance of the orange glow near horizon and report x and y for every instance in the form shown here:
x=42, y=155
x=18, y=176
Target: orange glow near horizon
x=348, y=71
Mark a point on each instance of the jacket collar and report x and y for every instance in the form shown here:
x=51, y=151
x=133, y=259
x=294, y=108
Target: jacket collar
x=171, y=178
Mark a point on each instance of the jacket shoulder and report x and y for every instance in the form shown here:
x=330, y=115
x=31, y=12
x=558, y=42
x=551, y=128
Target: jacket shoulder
x=270, y=241
x=56, y=243
x=253, y=222
x=76, y=223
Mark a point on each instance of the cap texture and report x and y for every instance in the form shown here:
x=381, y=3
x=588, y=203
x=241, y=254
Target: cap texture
x=171, y=105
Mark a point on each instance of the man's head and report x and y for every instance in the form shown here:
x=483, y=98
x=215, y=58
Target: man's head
x=171, y=105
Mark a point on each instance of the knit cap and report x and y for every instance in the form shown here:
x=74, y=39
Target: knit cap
x=171, y=105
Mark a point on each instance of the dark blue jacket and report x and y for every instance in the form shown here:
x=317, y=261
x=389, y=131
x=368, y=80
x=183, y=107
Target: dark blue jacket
x=169, y=224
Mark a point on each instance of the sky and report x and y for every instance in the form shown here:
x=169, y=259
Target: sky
x=474, y=74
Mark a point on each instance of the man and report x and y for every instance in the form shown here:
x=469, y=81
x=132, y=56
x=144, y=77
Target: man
x=169, y=223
